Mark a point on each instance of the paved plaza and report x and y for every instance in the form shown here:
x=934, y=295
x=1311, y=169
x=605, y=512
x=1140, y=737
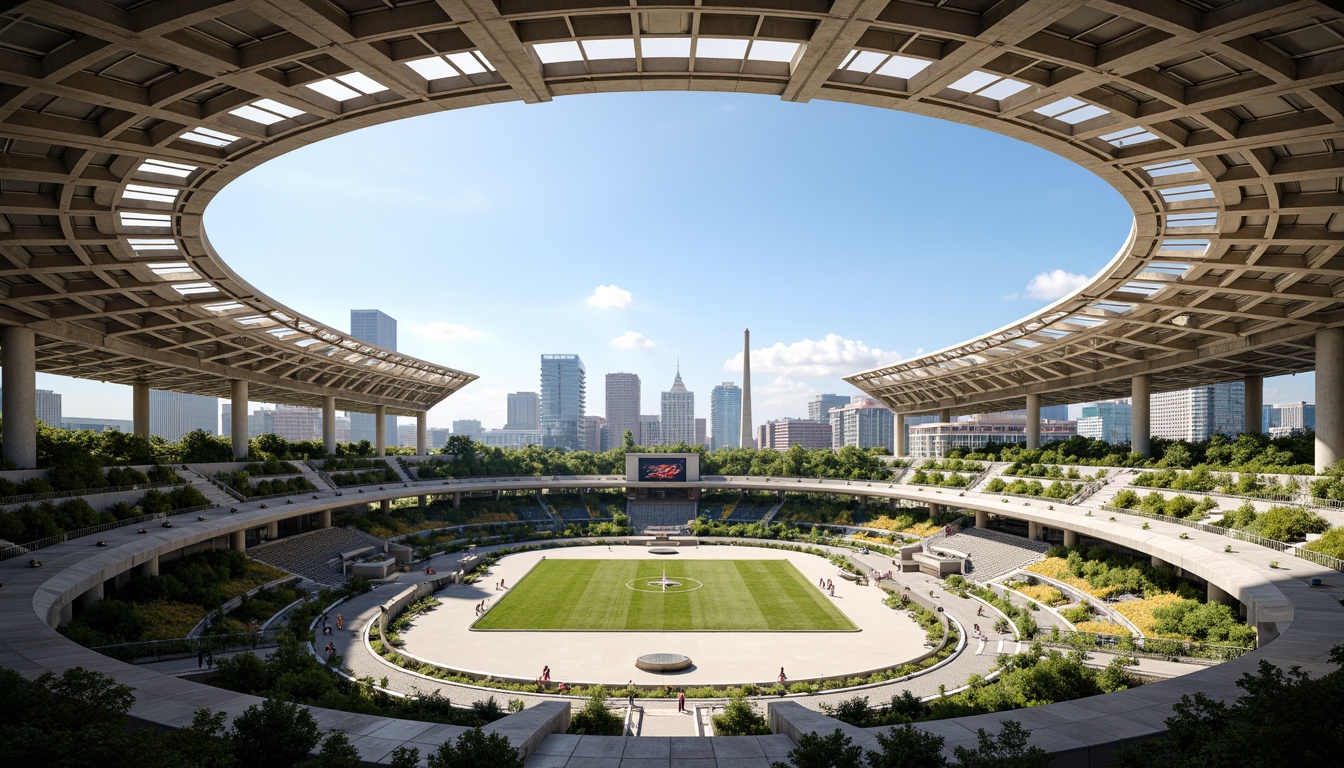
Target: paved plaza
x=444, y=635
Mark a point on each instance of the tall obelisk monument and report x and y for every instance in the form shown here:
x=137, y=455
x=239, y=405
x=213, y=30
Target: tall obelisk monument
x=748, y=439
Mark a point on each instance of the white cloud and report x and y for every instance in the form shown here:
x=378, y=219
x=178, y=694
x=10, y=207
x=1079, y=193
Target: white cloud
x=610, y=297
x=830, y=356
x=632, y=340
x=1055, y=284
x=441, y=331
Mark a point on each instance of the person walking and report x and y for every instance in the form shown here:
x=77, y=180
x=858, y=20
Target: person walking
x=681, y=701
x=783, y=678
x=546, y=674
x=340, y=621
x=200, y=658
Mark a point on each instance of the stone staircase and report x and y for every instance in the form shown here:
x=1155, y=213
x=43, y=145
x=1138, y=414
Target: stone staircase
x=991, y=554
x=216, y=495
x=400, y=470
x=1117, y=480
x=313, y=476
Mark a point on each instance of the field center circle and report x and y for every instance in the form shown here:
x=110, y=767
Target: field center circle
x=645, y=584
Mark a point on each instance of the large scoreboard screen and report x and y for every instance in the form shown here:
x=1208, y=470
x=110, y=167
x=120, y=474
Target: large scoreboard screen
x=662, y=470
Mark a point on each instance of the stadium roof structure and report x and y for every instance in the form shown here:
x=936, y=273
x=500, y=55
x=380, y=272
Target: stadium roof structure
x=1218, y=121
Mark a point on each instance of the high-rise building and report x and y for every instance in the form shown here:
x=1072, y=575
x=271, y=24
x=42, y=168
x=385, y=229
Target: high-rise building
x=623, y=398
x=747, y=433
x=296, y=422
x=49, y=407
x=783, y=434
x=725, y=416
x=650, y=430
x=511, y=438
x=1106, y=421
x=95, y=424
x=563, y=398
x=174, y=414
x=1054, y=413
x=910, y=421
x=936, y=439
x=863, y=424
x=1200, y=412
x=406, y=435
x=379, y=329
x=592, y=433
x=469, y=427
x=678, y=414
x=438, y=436
x=819, y=407
x=524, y=411
x=1289, y=418
x=702, y=432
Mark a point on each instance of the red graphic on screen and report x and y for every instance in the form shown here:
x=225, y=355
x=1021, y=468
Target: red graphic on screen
x=662, y=471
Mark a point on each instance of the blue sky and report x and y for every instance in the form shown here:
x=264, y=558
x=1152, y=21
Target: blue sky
x=637, y=230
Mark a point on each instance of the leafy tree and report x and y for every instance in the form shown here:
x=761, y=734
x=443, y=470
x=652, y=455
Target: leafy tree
x=835, y=750
x=337, y=752
x=907, y=747
x=1008, y=749
x=273, y=734
x=740, y=718
x=476, y=749
x=595, y=719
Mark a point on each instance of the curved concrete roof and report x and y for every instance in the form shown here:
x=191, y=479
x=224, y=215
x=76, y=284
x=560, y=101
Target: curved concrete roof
x=1216, y=120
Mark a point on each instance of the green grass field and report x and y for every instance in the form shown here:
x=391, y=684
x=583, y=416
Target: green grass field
x=716, y=595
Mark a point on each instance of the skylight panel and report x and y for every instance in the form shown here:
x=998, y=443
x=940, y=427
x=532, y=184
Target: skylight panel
x=334, y=90
x=974, y=82
x=1201, y=219
x=1129, y=137
x=227, y=306
x=1171, y=168
x=191, y=289
x=623, y=48
x=989, y=85
x=1189, y=246
x=139, y=244
x=720, y=48
x=137, y=219
x=1087, y=112
x=471, y=63
x=903, y=67
x=362, y=83
x=864, y=61
x=1003, y=89
x=432, y=68
x=266, y=112
x=284, y=110
x=154, y=194
x=180, y=170
x=556, y=53
x=665, y=47
x=773, y=50
x=1187, y=192
x=1060, y=107
x=210, y=137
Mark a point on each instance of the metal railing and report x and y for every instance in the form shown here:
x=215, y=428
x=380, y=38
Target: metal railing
x=32, y=546
x=186, y=647
x=1232, y=533
x=31, y=497
x=225, y=488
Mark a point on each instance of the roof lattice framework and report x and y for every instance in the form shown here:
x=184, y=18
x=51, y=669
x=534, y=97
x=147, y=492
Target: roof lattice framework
x=1217, y=121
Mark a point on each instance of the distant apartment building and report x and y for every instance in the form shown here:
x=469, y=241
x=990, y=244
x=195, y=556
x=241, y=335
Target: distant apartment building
x=95, y=424
x=783, y=434
x=650, y=430
x=295, y=422
x=864, y=423
x=725, y=416
x=678, y=414
x=438, y=436
x=48, y=407
x=524, y=410
x=377, y=328
x=1286, y=419
x=563, y=400
x=510, y=438
x=1199, y=413
x=819, y=407
x=173, y=414
x=623, y=399
x=936, y=439
x=406, y=435
x=469, y=427
x=1109, y=422
x=593, y=427
x=702, y=432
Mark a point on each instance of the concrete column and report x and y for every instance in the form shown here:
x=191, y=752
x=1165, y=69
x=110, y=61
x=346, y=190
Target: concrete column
x=18, y=376
x=1140, y=427
x=457, y=499
x=238, y=541
x=140, y=409
x=1033, y=421
x=380, y=429
x=1070, y=538
x=67, y=610
x=422, y=433
x=385, y=505
x=944, y=415
x=1329, y=398
x=273, y=530
x=423, y=501
x=150, y=567
x=324, y=519
x=1217, y=595
x=93, y=595
x=238, y=417
x=981, y=518
x=1255, y=401
x=1033, y=530
x=1157, y=562
x=329, y=424
x=902, y=444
